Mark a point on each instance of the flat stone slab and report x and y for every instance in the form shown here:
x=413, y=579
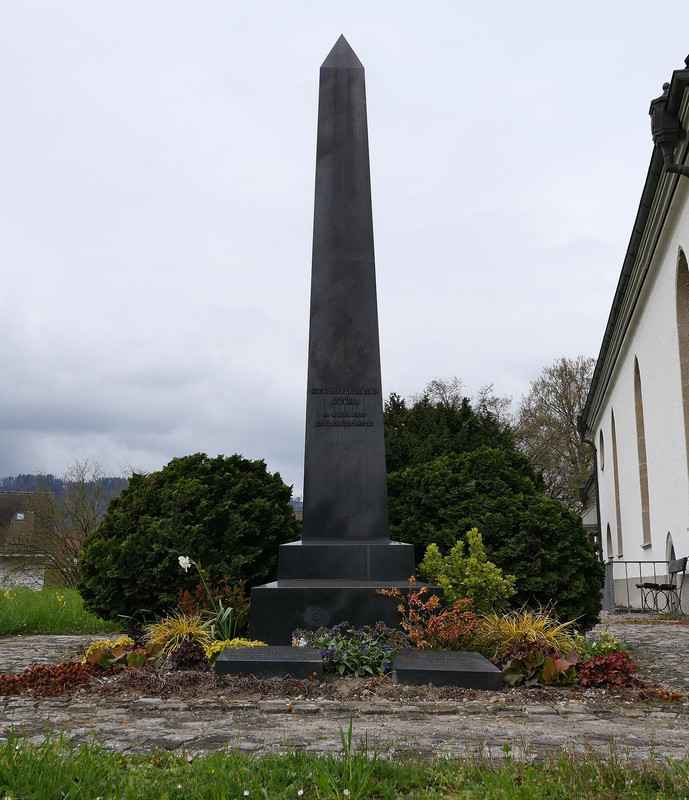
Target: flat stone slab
x=447, y=668
x=275, y=661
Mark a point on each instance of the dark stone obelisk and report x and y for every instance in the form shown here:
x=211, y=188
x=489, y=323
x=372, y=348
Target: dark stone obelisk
x=345, y=554
x=345, y=489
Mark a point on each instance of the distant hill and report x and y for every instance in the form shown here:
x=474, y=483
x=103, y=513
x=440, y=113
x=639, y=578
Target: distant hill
x=34, y=483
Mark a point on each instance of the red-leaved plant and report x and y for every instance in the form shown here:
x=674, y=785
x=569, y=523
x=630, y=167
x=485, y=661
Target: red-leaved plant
x=48, y=681
x=428, y=625
x=613, y=669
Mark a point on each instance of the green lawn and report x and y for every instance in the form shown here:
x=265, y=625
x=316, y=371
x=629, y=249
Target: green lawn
x=47, y=611
x=56, y=770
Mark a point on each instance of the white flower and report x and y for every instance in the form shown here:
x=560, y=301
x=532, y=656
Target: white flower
x=246, y=792
x=184, y=562
x=300, y=793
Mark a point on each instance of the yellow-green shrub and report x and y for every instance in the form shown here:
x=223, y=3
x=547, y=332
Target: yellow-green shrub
x=470, y=576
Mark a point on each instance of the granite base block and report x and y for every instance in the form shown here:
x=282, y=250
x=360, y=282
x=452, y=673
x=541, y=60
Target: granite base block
x=359, y=560
x=447, y=668
x=281, y=607
x=271, y=662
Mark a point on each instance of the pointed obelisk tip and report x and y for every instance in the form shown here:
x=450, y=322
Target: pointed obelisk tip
x=342, y=57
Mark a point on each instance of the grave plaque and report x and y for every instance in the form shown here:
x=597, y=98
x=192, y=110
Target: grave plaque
x=345, y=553
x=271, y=662
x=447, y=668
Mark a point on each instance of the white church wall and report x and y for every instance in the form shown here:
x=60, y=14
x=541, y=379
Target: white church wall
x=652, y=340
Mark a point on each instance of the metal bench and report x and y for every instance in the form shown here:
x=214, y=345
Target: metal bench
x=660, y=597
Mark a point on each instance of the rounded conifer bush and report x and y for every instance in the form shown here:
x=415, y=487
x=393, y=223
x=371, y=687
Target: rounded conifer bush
x=228, y=514
x=525, y=533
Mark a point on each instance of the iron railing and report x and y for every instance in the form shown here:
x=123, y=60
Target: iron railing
x=631, y=572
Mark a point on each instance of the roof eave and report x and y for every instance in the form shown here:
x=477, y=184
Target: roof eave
x=603, y=369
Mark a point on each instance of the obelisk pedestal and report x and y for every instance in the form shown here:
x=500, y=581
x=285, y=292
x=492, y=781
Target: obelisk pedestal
x=345, y=554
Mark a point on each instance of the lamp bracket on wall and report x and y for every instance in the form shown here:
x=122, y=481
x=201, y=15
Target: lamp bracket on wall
x=666, y=130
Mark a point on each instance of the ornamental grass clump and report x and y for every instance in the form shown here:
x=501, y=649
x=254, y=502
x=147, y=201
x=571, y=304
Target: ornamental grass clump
x=500, y=634
x=357, y=651
x=175, y=630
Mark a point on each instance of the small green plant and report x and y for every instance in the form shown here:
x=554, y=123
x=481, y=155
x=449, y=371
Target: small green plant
x=524, y=669
x=354, y=770
x=226, y=594
x=537, y=666
x=430, y=626
x=604, y=644
x=560, y=670
x=470, y=576
x=358, y=651
x=173, y=631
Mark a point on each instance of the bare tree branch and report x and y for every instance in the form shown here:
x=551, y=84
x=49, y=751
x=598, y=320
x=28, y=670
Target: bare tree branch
x=546, y=427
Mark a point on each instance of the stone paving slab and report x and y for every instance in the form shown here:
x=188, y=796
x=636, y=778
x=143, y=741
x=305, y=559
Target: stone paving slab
x=640, y=731
x=272, y=726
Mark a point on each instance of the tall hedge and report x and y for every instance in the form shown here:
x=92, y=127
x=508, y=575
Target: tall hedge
x=430, y=429
x=524, y=532
x=230, y=514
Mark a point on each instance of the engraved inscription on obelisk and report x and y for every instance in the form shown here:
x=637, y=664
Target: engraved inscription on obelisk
x=345, y=490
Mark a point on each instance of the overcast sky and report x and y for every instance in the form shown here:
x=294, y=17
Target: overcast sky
x=156, y=206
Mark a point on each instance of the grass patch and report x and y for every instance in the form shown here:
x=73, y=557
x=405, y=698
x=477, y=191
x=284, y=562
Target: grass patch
x=47, y=611
x=54, y=769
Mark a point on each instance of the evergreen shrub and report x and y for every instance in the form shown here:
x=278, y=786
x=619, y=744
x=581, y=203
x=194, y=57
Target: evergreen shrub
x=231, y=513
x=525, y=533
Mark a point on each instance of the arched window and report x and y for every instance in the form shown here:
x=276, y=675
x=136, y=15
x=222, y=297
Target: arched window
x=616, y=479
x=608, y=542
x=641, y=450
x=669, y=548
x=601, y=450
x=682, y=297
